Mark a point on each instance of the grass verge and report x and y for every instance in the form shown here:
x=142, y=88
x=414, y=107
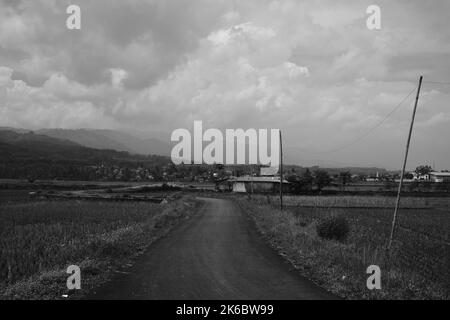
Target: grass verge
x=340, y=267
x=39, y=240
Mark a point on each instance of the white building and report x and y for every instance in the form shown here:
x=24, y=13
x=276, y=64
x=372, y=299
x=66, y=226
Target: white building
x=440, y=177
x=421, y=177
x=258, y=184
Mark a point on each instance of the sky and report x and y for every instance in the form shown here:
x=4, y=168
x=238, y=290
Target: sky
x=310, y=68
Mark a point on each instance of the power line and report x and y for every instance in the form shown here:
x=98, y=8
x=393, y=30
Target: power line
x=437, y=82
x=370, y=130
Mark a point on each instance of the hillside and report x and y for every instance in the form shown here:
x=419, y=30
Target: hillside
x=30, y=145
x=110, y=139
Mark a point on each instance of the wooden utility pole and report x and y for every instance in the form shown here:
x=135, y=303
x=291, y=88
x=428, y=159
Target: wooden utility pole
x=281, y=173
x=394, y=220
x=251, y=179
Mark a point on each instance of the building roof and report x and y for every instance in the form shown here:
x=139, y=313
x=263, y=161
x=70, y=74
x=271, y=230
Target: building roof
x=440, y=174
x=257, y=179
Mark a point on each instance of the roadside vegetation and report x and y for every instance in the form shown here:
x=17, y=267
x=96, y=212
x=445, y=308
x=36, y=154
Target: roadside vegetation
x=333, y=245
x=40, y=239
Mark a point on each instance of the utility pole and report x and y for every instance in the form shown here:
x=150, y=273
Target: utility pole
x=251, y=179
x=394, y=220
x=281, y=173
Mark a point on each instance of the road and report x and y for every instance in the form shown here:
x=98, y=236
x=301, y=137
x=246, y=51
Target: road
x=217, y=254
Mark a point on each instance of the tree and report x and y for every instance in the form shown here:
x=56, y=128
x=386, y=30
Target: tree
x=295, y=184
x=409, y=176
x=307, y=180
x=345, y=178
x=157, y=172
x=423, y=170
x=300, y=184
x=321, y=179
x=361, y=177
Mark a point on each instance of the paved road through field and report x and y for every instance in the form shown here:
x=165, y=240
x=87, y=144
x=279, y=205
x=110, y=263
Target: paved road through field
x=217, y=254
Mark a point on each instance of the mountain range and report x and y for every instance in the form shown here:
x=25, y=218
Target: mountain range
x=103, y=139
x=29, y=146
x=97, y=143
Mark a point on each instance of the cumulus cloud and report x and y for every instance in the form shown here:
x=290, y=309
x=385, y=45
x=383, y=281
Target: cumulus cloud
x=117, y=77
x=310, y=68
x=58, y=103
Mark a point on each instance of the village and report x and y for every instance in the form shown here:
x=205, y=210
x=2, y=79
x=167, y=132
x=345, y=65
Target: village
x=264, y=179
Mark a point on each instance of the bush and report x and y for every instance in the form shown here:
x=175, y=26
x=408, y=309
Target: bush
x=333, y=228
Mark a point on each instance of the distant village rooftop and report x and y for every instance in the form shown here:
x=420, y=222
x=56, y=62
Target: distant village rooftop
x=257, y=179
x=250, y=184
x=440, y=174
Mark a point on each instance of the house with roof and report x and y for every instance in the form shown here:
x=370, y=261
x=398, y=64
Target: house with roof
x=266, y=182
x=440, y=177
x=250, y=184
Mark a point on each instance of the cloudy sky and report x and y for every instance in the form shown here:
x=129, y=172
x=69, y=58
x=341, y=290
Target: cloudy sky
x=310, y=68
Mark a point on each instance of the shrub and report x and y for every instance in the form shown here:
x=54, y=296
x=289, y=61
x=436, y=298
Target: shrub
x=333, y=228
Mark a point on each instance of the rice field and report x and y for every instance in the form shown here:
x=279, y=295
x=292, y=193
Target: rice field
x=365, y=201
x=39, y=236
x=419, y=262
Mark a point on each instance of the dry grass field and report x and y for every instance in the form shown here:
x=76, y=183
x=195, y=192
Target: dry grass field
x=39, y=239
x=418, y=265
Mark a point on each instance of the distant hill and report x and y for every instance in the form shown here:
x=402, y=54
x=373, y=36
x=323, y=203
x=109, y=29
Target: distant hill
x=17, y=130
x=33, y=156
x=11, y=152
x=110, y=139
x=368, y=171
x=139, y=145
x=14, y=137
x=87, y=138
x=31, y=146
